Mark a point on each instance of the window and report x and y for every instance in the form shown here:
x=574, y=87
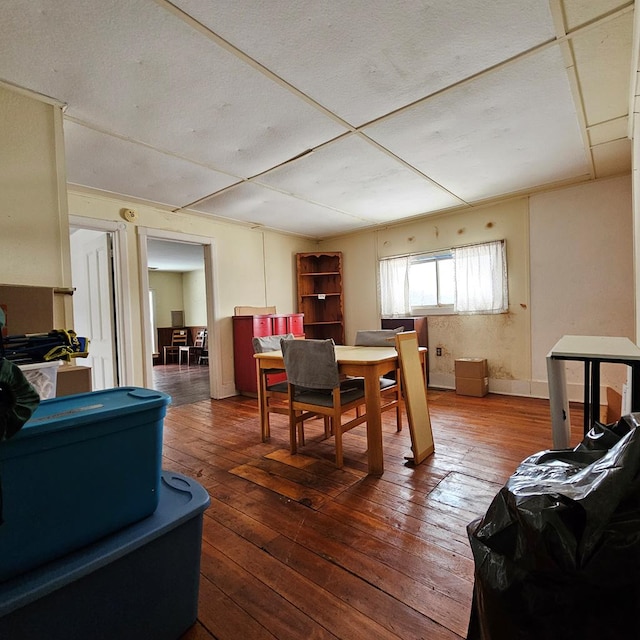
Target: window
x=471, y=279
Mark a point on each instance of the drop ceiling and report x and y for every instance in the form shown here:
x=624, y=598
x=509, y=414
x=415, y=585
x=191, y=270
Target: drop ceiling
x=323, y=118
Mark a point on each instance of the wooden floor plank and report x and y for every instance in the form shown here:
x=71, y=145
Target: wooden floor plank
x=295, y=548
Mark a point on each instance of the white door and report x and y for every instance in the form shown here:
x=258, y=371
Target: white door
x=93, y=313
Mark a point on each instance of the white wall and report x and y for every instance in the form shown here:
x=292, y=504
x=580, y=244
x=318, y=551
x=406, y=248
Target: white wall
x=570, y=265
x=503, y=339
x=194, y=297
x=581, y=272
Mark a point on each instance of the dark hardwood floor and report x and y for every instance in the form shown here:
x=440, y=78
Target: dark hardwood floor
x=295, y=548
x=185, y=384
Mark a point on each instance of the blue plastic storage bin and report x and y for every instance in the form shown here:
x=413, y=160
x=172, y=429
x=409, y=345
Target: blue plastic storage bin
x=82, y=467
x=139, y=583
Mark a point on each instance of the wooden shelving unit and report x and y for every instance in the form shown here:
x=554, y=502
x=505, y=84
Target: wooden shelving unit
x=320, y=296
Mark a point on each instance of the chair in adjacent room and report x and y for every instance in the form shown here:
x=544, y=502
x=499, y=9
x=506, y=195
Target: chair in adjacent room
x=193, y=350
x=314, y=385
x=203, y=358
x=390, y=387
x=179, y=338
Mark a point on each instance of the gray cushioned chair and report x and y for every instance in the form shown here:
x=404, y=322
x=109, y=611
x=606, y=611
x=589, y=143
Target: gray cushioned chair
x=315, y=386
x=390, y=388
x=276, y=388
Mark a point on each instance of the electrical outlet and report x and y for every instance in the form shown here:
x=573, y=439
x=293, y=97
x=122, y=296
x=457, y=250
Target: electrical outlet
x=438, y=351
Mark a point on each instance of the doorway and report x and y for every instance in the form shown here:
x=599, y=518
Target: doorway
x=100, y=308
x=207, y=247
x=177, y=302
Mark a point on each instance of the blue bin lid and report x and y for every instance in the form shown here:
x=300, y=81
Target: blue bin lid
x=92, y=407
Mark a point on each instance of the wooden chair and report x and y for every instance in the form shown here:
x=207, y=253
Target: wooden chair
x=179, y=338
x=203, y=358
x=194, y=349
x=276, y=389
x=314, y=386
x=390, y=389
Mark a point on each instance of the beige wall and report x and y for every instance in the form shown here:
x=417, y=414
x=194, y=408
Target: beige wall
x=253, y=267
x=179, y=291
x=502, y=339
x=579, y=239
x=169, y=295
x=34, y=229
x=581, y=273
x=194, y=298
x=576, y=252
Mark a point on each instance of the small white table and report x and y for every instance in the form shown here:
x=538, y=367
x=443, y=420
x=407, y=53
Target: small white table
x=592, y=350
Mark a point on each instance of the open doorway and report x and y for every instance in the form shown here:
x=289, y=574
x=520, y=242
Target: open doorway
x=146, y=244
x=177, y=305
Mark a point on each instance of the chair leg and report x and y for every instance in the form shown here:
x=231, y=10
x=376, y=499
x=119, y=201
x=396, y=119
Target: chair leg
x=293, y=440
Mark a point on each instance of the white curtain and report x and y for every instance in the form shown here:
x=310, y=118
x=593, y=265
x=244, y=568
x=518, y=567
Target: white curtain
x=481, y=278
x=394, y=287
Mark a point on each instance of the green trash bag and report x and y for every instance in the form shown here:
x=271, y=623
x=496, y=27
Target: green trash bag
x=18, y=399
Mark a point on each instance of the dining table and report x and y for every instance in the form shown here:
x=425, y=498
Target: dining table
x=368, y=363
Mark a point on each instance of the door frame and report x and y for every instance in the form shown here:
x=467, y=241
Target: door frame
x=211, y=294
x=122, y=292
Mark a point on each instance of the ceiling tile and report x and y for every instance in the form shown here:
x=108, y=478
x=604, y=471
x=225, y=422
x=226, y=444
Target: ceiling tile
x=512, y=130
x=604, y=82
x=265, y=207
x=162, y=83
x=612, y=158
x=607, y=131
x=103, y=162
x=355, y=176
x=365, y=59
x=580, y=12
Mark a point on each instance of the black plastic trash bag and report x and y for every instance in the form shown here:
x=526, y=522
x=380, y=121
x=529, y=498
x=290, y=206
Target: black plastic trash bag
x=557, y=555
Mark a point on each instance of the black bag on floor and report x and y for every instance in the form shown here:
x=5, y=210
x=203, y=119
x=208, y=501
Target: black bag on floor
x=557, y=555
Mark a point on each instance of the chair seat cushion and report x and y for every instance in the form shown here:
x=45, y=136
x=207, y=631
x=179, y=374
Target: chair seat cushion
x=385, y=383
x=324, y=398
x=279, y=387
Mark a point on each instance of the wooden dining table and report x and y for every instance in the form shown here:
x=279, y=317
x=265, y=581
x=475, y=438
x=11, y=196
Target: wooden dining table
x=364, y=362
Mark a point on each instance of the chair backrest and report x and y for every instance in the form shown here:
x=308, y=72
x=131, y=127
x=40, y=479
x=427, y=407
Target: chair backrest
x=262, y=344
x=201, y=336
x=311, y=363
x=178, y=337
x=377, y=337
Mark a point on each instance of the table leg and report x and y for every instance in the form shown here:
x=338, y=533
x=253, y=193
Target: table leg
x=374, y=422
x=595, y=395
x=635, y=386
x=262, y=402
x=559, y=404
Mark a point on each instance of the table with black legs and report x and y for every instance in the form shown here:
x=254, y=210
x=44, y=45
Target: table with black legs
x=591, y=350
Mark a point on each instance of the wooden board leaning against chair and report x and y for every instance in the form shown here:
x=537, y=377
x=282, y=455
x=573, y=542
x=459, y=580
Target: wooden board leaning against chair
x=415, y=396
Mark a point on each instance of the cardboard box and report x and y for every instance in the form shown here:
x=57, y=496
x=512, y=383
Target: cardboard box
x=477, y=387
x=72, y=379
x=471, y=368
